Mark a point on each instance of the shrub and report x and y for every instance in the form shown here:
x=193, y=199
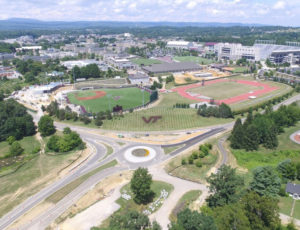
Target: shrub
x=202, y=155
x=10, y=140
x=36, y=150
x=191, y=160
x=282, y=192
x=15, y=149
x=199, y=164
x=195, y=155
x=183, y=161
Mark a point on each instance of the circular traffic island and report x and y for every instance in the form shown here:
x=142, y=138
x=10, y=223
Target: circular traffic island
x=139, y=154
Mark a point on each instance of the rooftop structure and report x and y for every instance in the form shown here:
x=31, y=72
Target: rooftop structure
x=293, y=190
x=29, y=48
x=179, y=44
x=79, y=63
x=172, y=67
x=139, y=78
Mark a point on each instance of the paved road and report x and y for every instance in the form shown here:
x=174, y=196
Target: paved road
x=93, y=162
x=223, y=150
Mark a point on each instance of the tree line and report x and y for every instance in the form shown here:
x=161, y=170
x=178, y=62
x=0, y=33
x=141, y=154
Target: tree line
x=15, y=121
x=262, y=129
x=221, y=111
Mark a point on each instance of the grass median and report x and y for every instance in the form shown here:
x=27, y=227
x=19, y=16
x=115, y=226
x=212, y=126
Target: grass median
x=61, y=193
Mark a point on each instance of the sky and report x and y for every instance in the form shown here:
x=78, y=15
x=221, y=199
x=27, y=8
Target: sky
x=271, y=12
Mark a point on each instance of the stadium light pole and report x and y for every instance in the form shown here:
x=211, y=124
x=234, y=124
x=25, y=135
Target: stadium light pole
x=143, y=97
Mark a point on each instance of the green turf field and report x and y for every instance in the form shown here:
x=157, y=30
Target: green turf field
x=126, y=97
x=223, y=90
x=282, y=89
x=239, y=69
x=199, y=60
x=172, y=119
x=145, y=61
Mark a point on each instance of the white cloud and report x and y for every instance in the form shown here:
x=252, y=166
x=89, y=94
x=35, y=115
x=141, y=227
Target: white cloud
x=245, y=11
x=279, y=5
x=191, y=5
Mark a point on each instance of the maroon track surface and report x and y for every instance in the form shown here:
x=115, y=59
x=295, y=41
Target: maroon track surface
x=266, y=89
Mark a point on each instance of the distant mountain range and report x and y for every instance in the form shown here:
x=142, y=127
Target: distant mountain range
x=29, y=24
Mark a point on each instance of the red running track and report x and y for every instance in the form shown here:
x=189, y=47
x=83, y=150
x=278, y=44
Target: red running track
x=266, y=89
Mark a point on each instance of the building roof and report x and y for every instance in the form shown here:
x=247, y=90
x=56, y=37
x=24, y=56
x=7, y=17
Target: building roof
x=293, y=188
x=138, y=76
x=172, y=67
x=178, y=43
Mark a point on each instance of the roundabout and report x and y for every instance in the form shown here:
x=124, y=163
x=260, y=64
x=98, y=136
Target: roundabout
x=140, y=154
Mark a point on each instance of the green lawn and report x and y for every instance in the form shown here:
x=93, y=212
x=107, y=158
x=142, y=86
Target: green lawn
x=126, y=97
x=286, y=150
x=172, y=118
x=130, y=205
x=61, y=193
x=199, y=60
x=27, y=143
x=285, y=207
x=145, y=61
x=184, y=202
x=191, y=171
x=282, y=89
x=239, y=69
x=224, y=90
x=171, y=149
x=31, y=178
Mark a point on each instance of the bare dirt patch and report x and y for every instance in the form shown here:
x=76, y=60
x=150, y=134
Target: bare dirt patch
x=99, y=192
x=98, y=94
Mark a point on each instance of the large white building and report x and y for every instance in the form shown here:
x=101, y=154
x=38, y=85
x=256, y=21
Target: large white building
x=278, y=54
x=235, y=51
x=180, y=44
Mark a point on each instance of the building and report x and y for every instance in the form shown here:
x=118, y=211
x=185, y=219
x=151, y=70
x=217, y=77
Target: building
x=121, y=63
x=285, y=56
x=8, y=72
x=56, y=74
x=6, y=56
x=235, y=51
x=210, y=46
x=172, y=67
x=45, y=89
x=293, y=190
x=180, y=44
x=203, y=75
x=34, y=48
x=79, y=63
x=42, y=59
x=139, y=78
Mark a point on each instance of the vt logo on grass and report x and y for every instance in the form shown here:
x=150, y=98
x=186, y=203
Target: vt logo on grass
x=154, y=119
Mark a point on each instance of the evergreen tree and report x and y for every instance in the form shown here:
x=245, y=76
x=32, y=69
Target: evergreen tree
x=266, y=182
x=237, y=135
x=251, y=140
x=140, y=185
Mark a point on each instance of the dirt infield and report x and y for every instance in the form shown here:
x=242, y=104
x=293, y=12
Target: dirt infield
x=98, y=94
x=266, y=89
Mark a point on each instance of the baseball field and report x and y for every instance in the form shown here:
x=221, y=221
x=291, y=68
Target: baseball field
x=105, y=99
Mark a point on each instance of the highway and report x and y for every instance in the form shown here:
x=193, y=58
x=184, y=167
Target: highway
x=94, y=161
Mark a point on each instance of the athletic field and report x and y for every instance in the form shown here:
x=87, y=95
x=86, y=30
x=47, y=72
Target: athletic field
x=223, y=90
x=105, y=99
x=238, y=92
